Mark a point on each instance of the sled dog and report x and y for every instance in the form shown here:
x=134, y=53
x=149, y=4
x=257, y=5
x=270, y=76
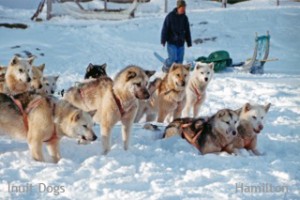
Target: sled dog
x=95, y=71
x=114, y=100
x=196, y=88
x=251, y=124
x=211, y=135
x=40, y=119
x=169, y=98
x=37, y=77
x=17, y=76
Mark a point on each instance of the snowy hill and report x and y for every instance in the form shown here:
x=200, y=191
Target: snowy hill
x=154, y=168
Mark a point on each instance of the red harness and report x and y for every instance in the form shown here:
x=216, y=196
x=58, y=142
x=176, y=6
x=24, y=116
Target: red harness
x=199, y=96
x=32, y=105
x=118, y=102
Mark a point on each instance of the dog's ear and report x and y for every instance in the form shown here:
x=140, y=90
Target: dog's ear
x=89, y=67
x=41, y=67
x=211, y=65
x=56, y=78
x=130, y=75
x=15, y=60
x=92, y=113
x=238, y=111
x=104, y=66
x=174, y=66
x=149, y=73
x=154, y=85
x=31, y=59
x=76, y=116
x=247, y=107
x=267, y=107
x=187, y=66
x=221, y=113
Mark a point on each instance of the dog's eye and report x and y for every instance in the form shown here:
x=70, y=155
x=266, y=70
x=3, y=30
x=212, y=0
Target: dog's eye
x=202, y=72
x=228, y=123
x=208, y=72
x=178, y=75
x=262, y=117
x=21, y=70
x=138, y=84
x=47, y=84
x=254, y=117
x=84, y=126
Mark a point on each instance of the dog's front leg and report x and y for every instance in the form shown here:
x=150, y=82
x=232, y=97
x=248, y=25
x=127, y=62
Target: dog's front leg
x=35, y=147
x=127, y=122
x=105, y=138
x=53, y=150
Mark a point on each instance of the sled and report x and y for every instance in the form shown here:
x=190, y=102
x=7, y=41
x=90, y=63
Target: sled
x=255, y=65
x=75, y=9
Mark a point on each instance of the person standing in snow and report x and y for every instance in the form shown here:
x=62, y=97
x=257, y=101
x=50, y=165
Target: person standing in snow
x=175, y=32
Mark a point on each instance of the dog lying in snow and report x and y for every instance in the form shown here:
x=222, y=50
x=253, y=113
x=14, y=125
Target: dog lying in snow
x=251, y=124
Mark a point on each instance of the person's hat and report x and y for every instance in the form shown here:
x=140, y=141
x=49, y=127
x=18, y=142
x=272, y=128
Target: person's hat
x=181, y=3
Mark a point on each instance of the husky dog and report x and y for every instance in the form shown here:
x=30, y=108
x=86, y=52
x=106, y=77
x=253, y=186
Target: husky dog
x=37, y=77
x=17, y=76
x=40, y=119
x=251, y=124
x=114, y=100
x=196, y=88
x=95, y=71
x=211, y=135
x=48, y=85
x=169, y=98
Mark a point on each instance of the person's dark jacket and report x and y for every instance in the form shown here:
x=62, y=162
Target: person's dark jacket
x=176, y=29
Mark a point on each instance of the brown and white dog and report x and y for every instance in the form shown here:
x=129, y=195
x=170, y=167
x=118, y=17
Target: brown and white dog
x=212, y=135
x=251, y=124
x=40, y=119
x=37, y=77
x=114, y=100
x=169, y=97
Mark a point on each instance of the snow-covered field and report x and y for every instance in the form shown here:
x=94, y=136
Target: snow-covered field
x=154, y=168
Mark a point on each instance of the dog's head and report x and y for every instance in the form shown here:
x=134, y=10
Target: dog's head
x=226, y=122
x=49, y=84
x=79, y=124
x=178, y=75
x=204, y=72
x=95, y=71
x=254, y=114
x=134, y=80
x=21, y=68
x=2, y=72
x=37, y=77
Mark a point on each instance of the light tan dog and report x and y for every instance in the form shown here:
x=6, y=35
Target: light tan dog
x=169, y=98
x=251, y=124
x=196, y=88
x=114, y=100
x=37, y=77
x=17, y=76
x=41, y=120
x=211, y=135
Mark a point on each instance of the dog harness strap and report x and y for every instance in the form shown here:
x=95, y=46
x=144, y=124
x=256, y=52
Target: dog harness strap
x=33, y=104
x=118, y=102
x=24, y=115
x=197, y=93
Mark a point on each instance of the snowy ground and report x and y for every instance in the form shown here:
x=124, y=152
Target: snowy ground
x=164, y=169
